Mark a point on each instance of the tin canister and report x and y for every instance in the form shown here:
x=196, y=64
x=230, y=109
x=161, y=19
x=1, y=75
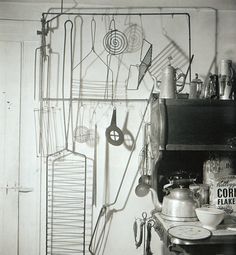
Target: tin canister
x=168, y=82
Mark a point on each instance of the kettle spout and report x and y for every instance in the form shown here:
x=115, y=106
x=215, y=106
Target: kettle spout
x=155, y=200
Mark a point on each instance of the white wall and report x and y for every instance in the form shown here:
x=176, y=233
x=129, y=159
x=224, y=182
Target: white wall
x=21, y=219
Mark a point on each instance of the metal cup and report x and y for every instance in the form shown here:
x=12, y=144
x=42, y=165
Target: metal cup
x=195, y=88
x=225, y=67
x=225, y=85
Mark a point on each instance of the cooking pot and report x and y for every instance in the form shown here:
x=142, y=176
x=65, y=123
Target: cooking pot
x=178, y=205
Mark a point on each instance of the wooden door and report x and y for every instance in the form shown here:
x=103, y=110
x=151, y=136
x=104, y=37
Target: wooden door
x=9, y=145
x=19, y=171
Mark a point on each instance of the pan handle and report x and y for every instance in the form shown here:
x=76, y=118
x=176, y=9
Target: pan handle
x=163, y=125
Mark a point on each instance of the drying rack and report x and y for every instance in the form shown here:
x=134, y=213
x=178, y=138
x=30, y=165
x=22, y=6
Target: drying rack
x=69, y=203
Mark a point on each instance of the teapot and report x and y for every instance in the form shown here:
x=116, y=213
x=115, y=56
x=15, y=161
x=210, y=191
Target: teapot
x=178, y=205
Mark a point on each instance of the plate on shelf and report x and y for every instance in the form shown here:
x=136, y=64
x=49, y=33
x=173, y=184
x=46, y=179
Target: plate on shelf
x=188, y=232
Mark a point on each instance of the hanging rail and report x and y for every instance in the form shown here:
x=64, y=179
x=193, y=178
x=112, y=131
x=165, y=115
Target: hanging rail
x=172, y=14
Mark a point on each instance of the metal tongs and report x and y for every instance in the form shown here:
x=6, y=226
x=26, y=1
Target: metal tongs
x=145, y=225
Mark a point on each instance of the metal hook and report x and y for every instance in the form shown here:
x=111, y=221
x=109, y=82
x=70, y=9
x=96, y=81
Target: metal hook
x=112, y=25
x=93, y=32
x=144, y=215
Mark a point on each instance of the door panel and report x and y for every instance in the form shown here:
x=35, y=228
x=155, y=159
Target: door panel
x=9, y=145
x=29, y=202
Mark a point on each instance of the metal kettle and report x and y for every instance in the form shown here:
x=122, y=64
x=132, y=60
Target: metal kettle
x=178, y=205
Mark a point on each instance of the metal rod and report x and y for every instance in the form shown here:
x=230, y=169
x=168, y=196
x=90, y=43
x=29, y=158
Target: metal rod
x=58, y=14
x=85, y=206
x=116, y=14
x=189, y=48
x=96, y=99
x=62, y=3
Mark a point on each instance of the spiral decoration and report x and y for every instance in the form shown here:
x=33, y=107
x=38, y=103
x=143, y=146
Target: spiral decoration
x=134, y=35
x=115, y=42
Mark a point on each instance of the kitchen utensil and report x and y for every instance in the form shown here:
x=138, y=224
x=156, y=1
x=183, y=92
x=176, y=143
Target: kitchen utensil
x=145, y=63
x=89, y=83
x=211, y=88
x=144, y=184
x=114, y=134
x=49, y=133
x=149, y=236
x=145, y=227
x=189, y=232
x=178, y=205
x=142, y=230
x=142, y=189
x=210, y=217
x=168, y=87
x=67, y=73
x=81, y=132
x=69, y=210
x=69, y=203
x=195, y=88
x=95, y=168
x=115, y=42
x=225, y=77
x=135, y=230
x=128, y=136
x=139, y=241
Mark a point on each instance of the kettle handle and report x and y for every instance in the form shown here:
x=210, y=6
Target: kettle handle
x=166, y=186
x=155, y=200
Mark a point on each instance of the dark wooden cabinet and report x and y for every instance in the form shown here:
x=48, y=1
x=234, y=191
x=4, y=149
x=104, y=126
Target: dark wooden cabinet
x=193, y=125
x=184, y=132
